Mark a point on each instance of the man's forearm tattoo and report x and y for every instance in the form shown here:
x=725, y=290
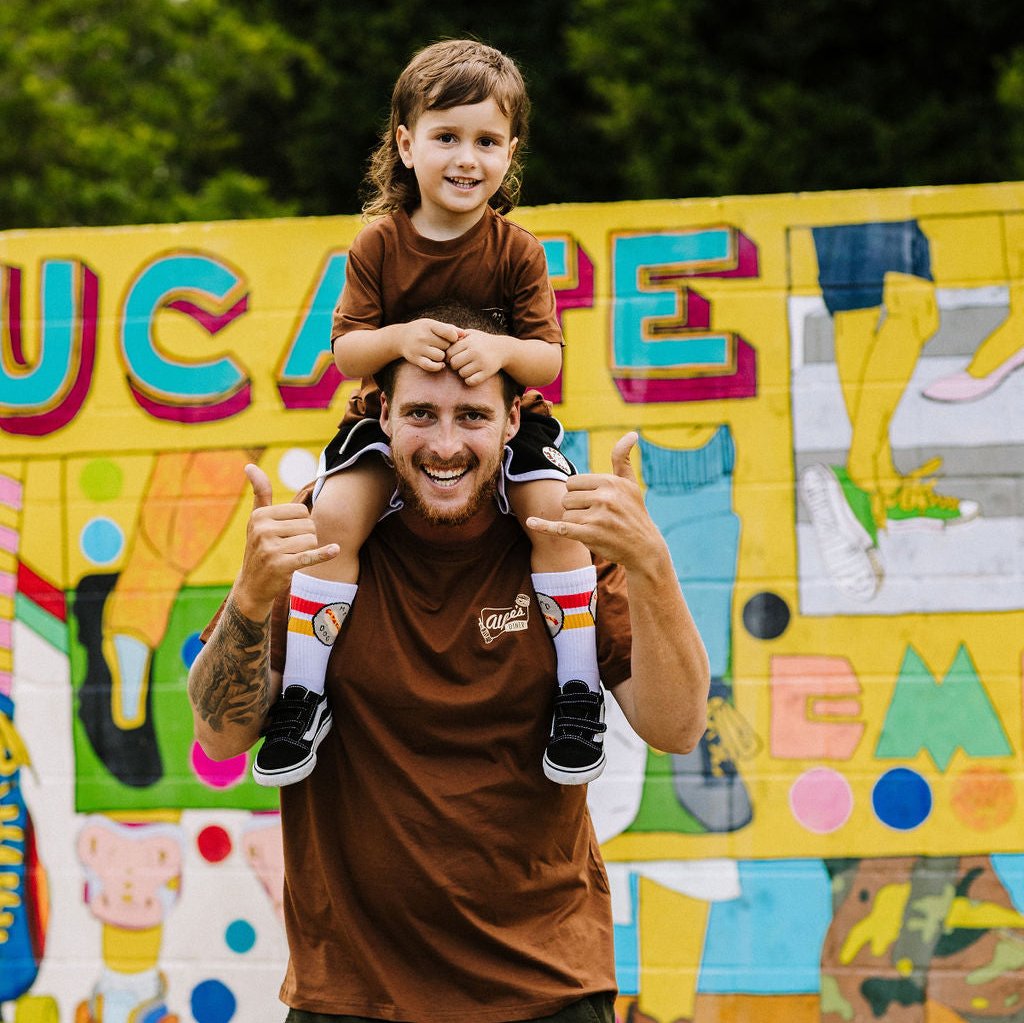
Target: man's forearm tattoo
x=233, y=688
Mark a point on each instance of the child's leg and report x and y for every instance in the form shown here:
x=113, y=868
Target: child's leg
x=345, y=512
x=565, y=581
x=564, y=572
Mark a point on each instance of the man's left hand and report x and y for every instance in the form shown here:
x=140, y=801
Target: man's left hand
x=606, y=512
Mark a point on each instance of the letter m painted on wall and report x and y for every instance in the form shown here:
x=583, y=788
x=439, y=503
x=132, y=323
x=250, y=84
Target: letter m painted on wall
x=663, y=345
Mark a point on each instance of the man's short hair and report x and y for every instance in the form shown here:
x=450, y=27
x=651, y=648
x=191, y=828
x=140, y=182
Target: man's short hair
x=461, y=315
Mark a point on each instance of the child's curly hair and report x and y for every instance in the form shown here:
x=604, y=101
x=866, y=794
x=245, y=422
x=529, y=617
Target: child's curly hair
x=450, y=73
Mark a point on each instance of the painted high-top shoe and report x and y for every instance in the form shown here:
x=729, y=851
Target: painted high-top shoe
x=130, y=754
x=134, y=998
x=23, y=903
x=689, y=496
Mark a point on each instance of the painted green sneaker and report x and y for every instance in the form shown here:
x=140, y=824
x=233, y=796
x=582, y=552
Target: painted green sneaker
x=916, y=506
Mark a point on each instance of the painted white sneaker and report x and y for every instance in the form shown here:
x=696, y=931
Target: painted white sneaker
x=848, y=549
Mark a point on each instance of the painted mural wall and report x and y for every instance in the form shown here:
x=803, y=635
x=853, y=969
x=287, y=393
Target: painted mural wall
x=832, y=443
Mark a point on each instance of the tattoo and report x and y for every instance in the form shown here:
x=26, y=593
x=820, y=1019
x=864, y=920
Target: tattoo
x=233, y=687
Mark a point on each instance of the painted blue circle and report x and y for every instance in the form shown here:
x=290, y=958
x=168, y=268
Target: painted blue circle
x=190, y=649
x=212, y=1002
x=902, y=799
x=240, y=936
x=102, y=541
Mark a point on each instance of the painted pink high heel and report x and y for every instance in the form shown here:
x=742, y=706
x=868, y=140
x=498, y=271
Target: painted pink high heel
x=963, y=387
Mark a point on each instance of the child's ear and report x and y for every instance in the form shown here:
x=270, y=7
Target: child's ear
x=403, y=139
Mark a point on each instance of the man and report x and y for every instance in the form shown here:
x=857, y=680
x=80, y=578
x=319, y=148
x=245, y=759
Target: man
x=433, y=874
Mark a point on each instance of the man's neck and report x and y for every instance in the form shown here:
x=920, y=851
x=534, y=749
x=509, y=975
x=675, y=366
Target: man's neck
x=444, y=535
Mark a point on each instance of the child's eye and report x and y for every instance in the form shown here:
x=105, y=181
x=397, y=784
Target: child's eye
x=487, y=143
x=446, y=137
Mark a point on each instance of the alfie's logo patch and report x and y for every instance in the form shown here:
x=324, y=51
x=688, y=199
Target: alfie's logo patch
x=327, y=622
x=494, y=621
x=557, y=459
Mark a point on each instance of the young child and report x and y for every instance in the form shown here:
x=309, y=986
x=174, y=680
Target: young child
x=443, y=175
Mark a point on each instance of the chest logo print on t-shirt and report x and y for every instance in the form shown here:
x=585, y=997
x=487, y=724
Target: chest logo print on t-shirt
x=494, y=621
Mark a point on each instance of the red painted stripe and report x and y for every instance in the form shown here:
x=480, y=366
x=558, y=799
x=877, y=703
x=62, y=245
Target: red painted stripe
x=41, y=592
x=568, y=601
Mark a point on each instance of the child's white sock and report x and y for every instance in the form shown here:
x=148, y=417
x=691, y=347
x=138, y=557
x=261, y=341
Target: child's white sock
x=316, y=613
x=571, y=622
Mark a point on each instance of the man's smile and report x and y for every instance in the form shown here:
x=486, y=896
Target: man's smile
x=445, y=477
x=446, y=473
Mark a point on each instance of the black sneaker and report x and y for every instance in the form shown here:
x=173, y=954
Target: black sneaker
x=297, y=724
x=575, y=753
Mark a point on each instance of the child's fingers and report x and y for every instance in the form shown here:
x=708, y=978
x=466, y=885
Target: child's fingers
x=562, y=528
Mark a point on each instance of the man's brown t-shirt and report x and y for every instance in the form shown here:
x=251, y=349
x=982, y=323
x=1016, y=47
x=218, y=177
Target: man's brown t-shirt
x=433, y=873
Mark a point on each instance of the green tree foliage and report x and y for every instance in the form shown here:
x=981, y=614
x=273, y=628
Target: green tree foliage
x=336, y=120
x=162, y=110
x=131, y=112
x=715, y=97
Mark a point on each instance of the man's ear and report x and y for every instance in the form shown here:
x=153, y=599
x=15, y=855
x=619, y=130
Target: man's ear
x=385, y=414
x=512, y=423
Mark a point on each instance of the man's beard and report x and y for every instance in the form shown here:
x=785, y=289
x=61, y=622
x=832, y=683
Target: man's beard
x=445, y=516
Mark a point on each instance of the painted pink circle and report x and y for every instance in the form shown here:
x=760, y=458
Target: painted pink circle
x=821, y=800
x=218, y=774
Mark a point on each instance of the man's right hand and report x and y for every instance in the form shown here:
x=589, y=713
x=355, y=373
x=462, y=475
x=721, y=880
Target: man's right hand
x=280, y=539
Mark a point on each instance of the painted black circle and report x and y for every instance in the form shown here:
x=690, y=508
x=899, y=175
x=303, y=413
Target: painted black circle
x=766, y=616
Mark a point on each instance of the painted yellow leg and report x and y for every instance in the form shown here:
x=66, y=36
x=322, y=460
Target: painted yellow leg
x=1008, y=338
x=911, y=318
x=672, y=929
x=189, y=500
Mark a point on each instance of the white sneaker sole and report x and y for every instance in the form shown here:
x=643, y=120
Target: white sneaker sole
x=566, y=776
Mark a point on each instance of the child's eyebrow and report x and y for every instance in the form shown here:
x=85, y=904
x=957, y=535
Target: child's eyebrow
x=453, y=129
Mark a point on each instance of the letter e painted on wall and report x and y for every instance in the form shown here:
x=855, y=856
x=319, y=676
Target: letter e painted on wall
x=663, y=345
x=814, y=701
